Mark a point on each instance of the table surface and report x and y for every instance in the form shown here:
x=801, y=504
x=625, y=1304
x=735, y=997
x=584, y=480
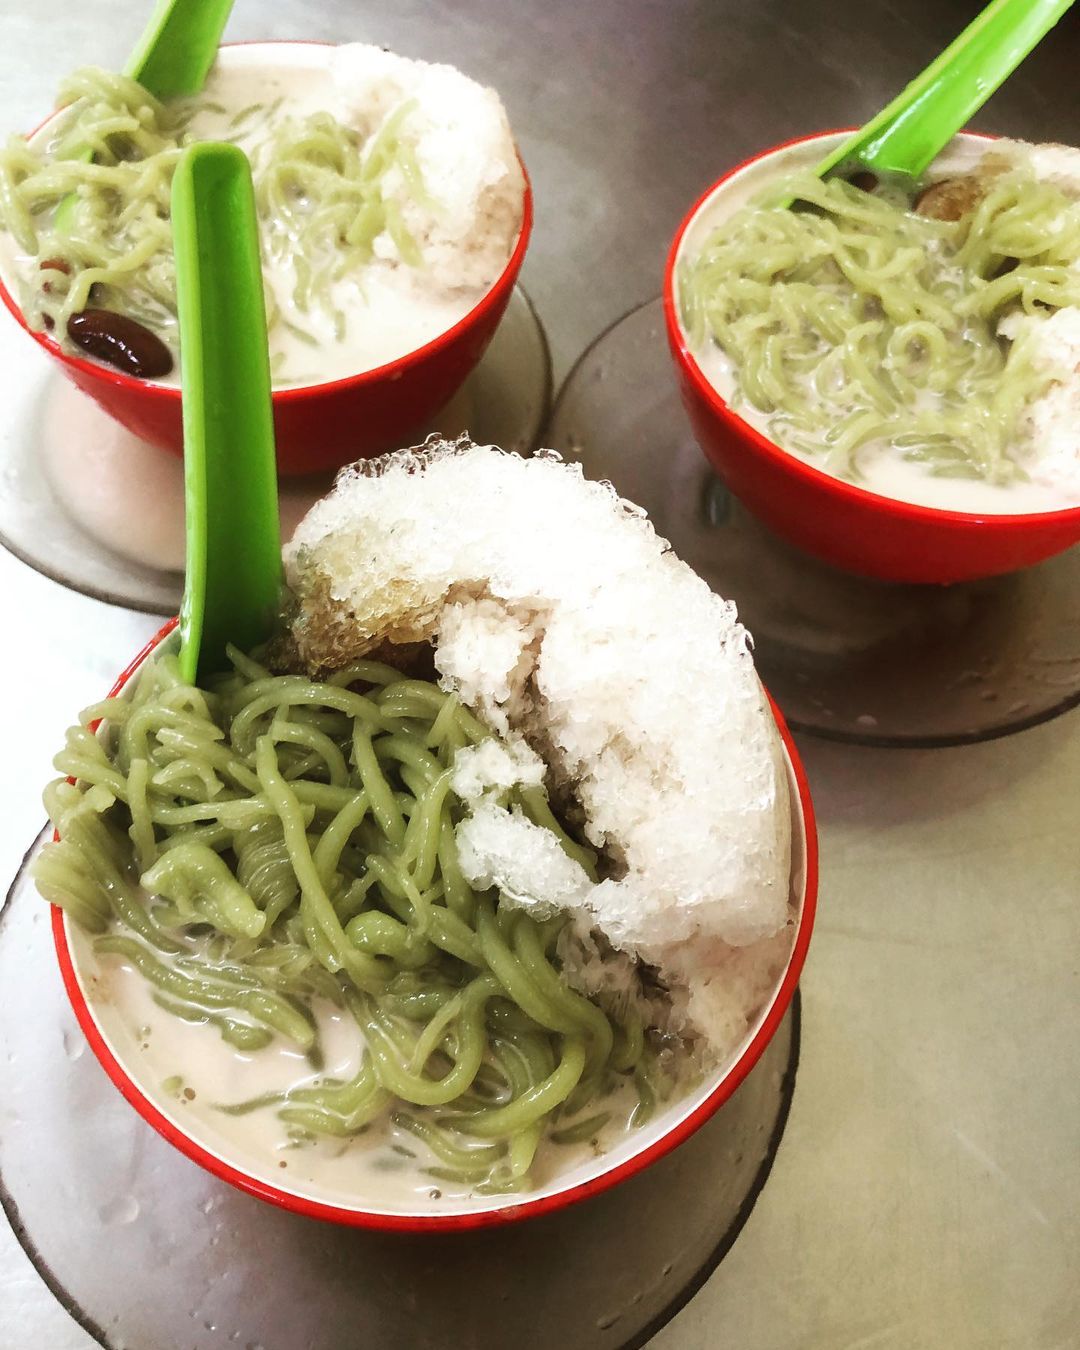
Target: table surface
x=928, y=1188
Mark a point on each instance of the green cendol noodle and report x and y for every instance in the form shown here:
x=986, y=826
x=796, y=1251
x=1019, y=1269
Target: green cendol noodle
x=318, y=187
x=854, y=320
x=276, y=840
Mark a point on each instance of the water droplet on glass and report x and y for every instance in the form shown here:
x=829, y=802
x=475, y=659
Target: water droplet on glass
x=74, y=1044
x=123, y=1209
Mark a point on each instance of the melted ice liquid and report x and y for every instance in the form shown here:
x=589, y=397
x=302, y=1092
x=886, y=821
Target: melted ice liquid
x=883, y=469
x=192, y=1069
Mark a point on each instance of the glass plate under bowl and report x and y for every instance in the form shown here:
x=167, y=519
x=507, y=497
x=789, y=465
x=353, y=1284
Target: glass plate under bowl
x=143, y=1248
x=844, y=657
x=132, y=493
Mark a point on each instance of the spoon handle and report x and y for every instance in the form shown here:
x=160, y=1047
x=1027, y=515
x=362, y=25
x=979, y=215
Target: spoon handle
x=177, y=48
x=906, y=136
x=172, y=58
x=232, y=580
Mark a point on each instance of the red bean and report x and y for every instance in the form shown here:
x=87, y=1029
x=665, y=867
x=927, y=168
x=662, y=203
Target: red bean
x=120, y=341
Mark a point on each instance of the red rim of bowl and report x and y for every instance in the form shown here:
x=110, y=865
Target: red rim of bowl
x=484, y=1218
x=392, y=370
x=911, y=511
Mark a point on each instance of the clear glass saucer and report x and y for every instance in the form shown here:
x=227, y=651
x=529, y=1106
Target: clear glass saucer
x=845, y=657
x=93, y=507
x=143, y=1248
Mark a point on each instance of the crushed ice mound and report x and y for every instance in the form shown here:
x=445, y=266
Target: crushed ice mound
x=609, y=668
x=468, y=217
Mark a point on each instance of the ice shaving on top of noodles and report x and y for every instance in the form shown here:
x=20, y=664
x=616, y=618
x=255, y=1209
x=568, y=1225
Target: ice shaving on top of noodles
x=389, y=191
x=560, y=617
x=494, y=838
x=925, y=348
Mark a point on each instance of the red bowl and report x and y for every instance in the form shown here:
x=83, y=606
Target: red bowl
x=641, y=1148
x=319, y=426
x=845, y=525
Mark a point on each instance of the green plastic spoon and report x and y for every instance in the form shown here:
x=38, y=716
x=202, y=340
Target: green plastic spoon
x=904, y=138
x=174, y=55
x=171, y=59
x=232, y=578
